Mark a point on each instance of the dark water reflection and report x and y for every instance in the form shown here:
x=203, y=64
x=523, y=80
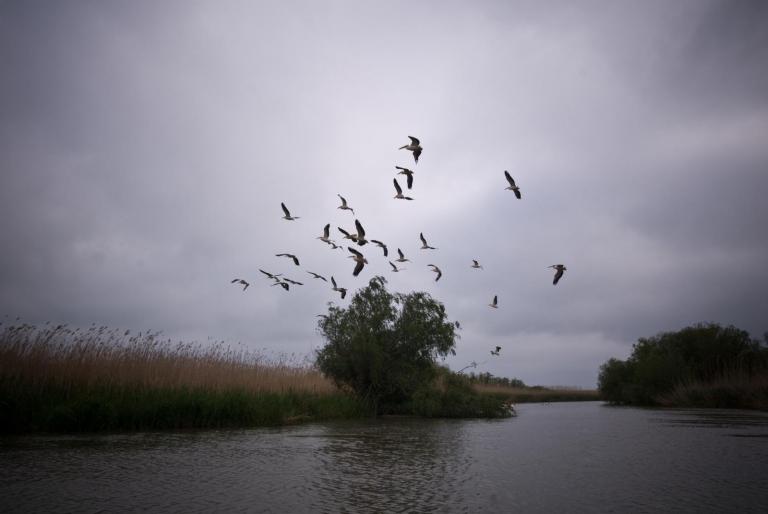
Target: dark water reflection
x=552, y=458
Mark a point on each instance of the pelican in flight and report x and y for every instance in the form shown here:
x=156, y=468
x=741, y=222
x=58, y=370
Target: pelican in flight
x=341, y=290
x=273, y=276
x=334, y=246
x=560, y=269
x=381, y=245
x=344, y=206
x=317, y=275
x=240, y=281
x=495, y=302
x=436, y=270
x=512, y=186
x=408, y=173
x=359, y=237
x=414, y=147
x=395, y=269
x=399, y=195
x=287, y=213
x=402, y=257
x=359, y=259
x=290, y=255
x=326, y=237
x=496, y=351
x=424, y=245
x=476, y=264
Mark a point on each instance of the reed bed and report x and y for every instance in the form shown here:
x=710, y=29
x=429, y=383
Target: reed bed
x=539, y=393
x=735, y=389
x=63, y=378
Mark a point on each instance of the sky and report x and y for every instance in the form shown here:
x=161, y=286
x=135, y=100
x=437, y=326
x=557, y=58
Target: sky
x=145, y=148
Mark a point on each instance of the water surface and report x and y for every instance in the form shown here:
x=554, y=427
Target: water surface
x=567, y=457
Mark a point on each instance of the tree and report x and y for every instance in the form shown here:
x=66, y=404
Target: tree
x=384, y=346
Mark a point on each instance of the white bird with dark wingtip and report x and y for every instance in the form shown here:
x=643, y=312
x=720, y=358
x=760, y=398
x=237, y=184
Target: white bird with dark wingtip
x=344, y=206
x=476, y=264
x=359, y=259
x=289, y=255
x=399, y=195
x=436, y=270
x=408, y=173
x=414, y=147
x=512, y=186
x=326, y=237
x=338, y=289
x=402, y=257
x=358, y=237
x=495, y=302
x=317, y=275
x=381, y=245
x=240, y=281
x=273, y=276
x=287, y=213
x=559, y=273
x=282, y=284
x=424, y=245
x=395, y=269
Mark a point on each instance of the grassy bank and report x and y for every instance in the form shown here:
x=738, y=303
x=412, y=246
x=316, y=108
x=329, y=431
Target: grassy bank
x=63, y=379
x=539, y=393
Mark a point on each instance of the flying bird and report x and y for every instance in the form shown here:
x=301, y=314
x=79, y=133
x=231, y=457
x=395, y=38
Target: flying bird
x=381, y=245
x=408, y=173
x=436, y=270
x=295, y=259
x=496, y=352
x=359, y=259
x=402, y=257
x=284, y=285
x=476, y=264
x=395, y=269
x=240, y=281
x=344, y=206
x=560, y=269
x=358, y=237
x=424, y=245
x=287, y=213
x=316, y=275
x=512, y=186
x=414, y=147
x=273, y=276
x=495, y=302
x=326, y=237
x=399, y=195
x=341, y=290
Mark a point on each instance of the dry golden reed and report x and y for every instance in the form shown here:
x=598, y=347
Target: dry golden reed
x=40, y=356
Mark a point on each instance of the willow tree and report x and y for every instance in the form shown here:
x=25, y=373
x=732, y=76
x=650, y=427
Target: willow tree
x=385, y=346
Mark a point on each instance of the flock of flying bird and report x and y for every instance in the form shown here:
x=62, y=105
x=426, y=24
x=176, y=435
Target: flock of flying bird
x=358, y=237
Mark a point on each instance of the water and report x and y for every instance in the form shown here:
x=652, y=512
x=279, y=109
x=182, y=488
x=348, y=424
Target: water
x=570, y=457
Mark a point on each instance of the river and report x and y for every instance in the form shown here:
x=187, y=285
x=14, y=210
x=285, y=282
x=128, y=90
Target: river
x=559, y=457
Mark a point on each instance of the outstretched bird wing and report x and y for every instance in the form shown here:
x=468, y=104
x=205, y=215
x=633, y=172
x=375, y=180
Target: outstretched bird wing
x=354, y=251
x=358, y=268
x=410, y=180
x=414, y=141
x=416, y=154
x=360, y=230
x=327, y=231
x=285, y=209
x=509, y=178
x=397, y=186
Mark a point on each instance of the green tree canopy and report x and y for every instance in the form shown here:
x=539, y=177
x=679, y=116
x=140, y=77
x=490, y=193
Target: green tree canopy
x=700, y=352
x=384, y=346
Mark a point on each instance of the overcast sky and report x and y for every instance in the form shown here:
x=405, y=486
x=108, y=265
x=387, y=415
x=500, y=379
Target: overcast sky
x=145, y=148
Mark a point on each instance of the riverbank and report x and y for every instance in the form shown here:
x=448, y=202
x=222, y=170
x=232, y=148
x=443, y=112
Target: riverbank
x=537, y=394
x=55, y=379
x=731, y=391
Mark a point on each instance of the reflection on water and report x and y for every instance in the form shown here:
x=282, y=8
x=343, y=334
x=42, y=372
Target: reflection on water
x=579, y=457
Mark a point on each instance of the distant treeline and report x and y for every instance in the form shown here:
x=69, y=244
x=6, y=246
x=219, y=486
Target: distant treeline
x=704, y=365
x=489, y=379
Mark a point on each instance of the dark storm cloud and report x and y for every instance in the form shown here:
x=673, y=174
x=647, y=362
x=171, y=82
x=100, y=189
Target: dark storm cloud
x=145, y=150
